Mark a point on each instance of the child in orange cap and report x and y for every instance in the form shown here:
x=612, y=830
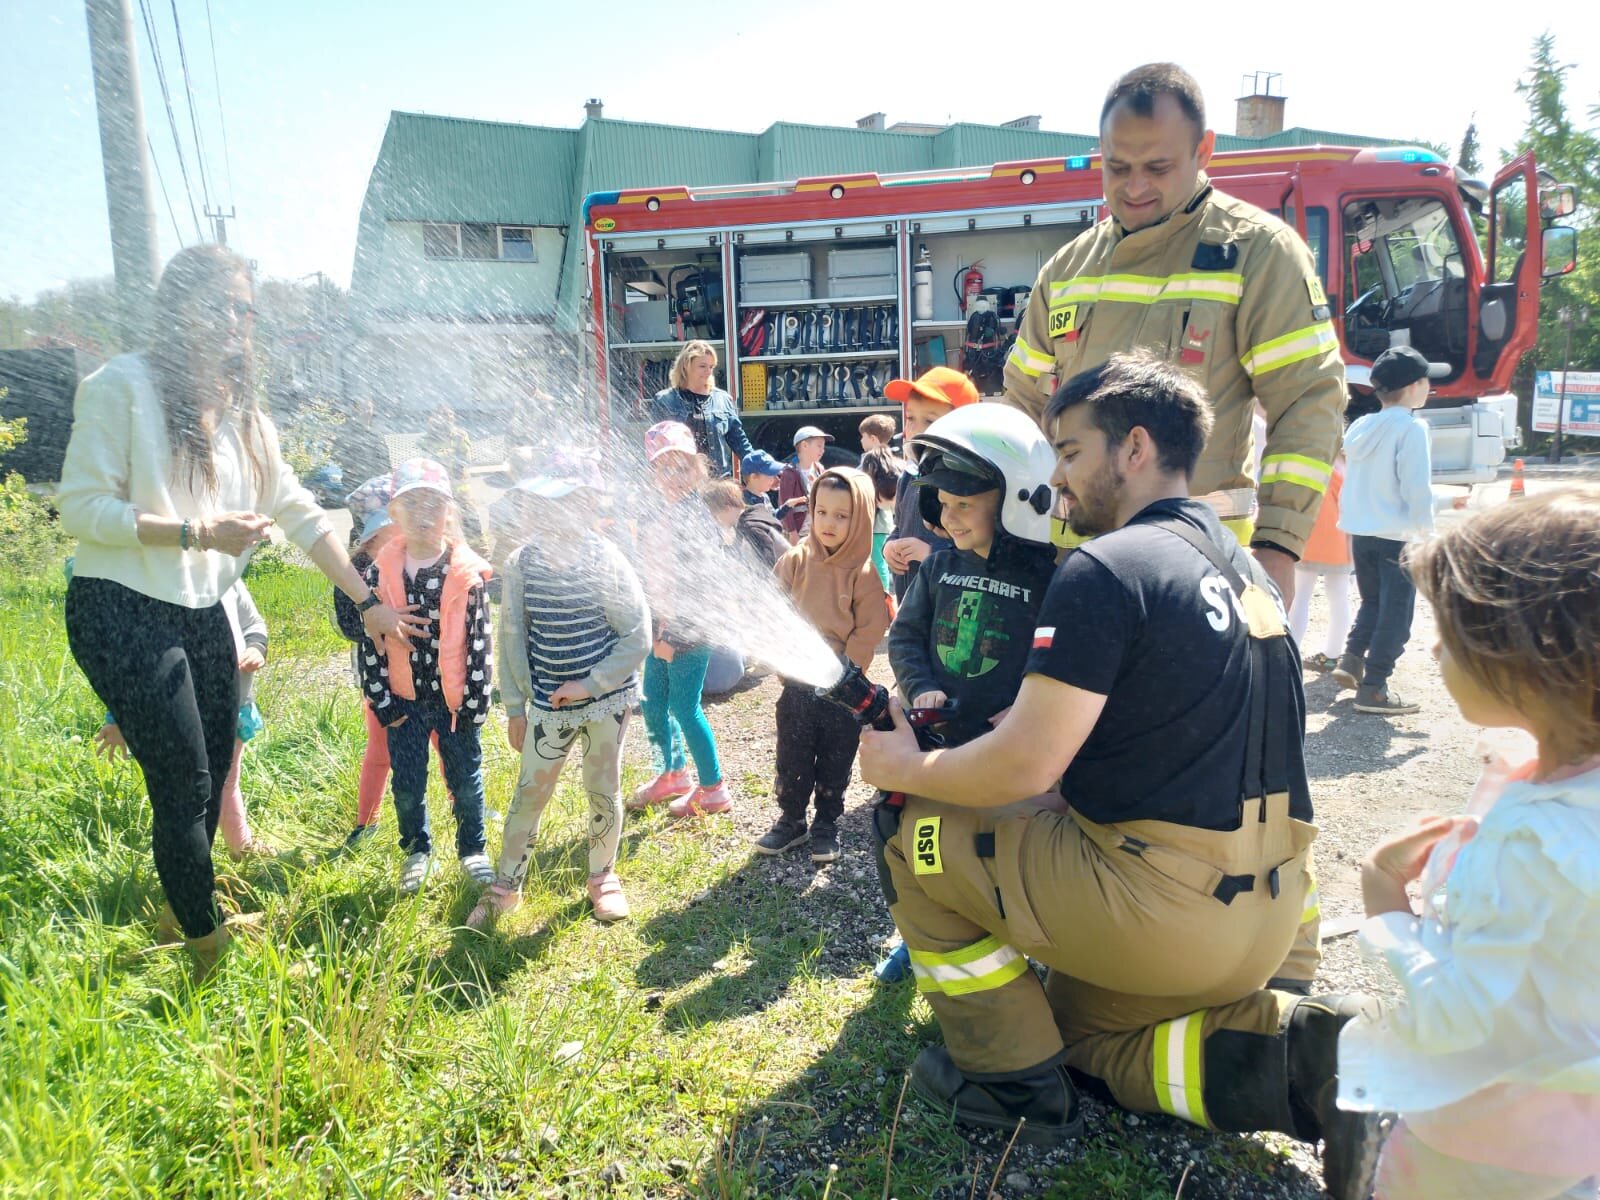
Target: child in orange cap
x=926, y=398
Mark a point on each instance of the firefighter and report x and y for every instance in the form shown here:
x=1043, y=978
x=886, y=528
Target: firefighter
x=1219, y=287
x=1164, y=884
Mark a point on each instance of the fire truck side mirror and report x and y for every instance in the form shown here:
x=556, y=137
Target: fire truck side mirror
x=1560, y=251
x=1560, y=200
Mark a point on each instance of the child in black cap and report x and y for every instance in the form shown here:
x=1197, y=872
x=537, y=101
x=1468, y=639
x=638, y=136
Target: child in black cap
x=1387, y=501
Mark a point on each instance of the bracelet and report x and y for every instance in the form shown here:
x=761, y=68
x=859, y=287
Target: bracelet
x=201, y=530
x=183, y=535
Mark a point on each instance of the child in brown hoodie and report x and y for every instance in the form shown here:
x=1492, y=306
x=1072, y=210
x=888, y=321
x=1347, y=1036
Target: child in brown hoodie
x=831, y=579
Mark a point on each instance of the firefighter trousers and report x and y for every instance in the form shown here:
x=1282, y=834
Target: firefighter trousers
x=1156, y=936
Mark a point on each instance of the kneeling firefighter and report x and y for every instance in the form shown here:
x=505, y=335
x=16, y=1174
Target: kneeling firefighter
x=1164, y=879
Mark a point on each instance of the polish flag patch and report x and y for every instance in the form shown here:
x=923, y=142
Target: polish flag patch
x=1044, y=637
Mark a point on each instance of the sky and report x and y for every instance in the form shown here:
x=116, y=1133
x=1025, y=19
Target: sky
x=304, y=88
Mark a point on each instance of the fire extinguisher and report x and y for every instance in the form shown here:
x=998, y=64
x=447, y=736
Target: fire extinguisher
x=922, y=285
x=968, y=285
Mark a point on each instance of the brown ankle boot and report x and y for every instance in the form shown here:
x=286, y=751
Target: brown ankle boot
x=207, y=951
x=168, y=931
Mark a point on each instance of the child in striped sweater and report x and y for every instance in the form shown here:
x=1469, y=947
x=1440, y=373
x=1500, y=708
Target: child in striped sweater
x=574, y=631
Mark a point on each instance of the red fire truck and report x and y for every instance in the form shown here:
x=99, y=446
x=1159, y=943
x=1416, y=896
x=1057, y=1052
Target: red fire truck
x=817, y=291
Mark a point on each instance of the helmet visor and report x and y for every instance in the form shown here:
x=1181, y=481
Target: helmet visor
x=950, y=471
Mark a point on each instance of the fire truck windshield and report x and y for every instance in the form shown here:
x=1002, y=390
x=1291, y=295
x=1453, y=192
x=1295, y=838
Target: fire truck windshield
x=1405, y=277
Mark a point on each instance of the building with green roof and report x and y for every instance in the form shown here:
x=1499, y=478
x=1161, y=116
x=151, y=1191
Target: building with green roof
x=468, y=286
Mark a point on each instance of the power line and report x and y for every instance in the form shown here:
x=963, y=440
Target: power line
x=176, y=232
x=227, y=159
x=172, y=119
x=194, y=115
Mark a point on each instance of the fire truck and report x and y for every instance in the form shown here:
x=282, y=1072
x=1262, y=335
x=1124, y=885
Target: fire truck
x=815, y=292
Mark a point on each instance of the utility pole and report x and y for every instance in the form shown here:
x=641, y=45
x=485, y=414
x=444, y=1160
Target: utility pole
x=219, y=223
x=1566, y=315
x=130, y=204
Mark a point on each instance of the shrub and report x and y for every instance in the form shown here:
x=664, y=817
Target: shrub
x=30, y=538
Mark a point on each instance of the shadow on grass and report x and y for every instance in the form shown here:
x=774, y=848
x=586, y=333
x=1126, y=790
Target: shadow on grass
x=477, y=966
x=842, y=1110
x=839, y=1111
x=733, y=949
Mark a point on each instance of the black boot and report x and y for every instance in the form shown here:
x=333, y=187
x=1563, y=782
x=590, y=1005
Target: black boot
x=1046, y=1099
x=1350, y=1140
x=1290, y=1083
x=824, y=841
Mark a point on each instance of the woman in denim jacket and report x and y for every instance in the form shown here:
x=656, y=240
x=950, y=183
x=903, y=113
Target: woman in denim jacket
x=695, y=400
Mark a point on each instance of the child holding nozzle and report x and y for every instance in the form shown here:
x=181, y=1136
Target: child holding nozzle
x=966, y=624
x=831, y=579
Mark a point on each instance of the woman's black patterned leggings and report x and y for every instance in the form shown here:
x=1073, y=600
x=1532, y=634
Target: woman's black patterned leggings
x=169, y=676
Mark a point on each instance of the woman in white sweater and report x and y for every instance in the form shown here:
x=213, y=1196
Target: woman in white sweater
x=172, y=476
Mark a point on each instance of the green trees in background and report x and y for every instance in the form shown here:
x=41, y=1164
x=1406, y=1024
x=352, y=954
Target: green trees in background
x=1570, y=152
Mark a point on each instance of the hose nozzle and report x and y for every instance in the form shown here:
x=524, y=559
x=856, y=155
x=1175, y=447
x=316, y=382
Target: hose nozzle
x=868, y=701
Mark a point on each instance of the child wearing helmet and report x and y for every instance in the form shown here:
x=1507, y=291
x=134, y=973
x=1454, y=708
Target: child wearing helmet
x=965, y=625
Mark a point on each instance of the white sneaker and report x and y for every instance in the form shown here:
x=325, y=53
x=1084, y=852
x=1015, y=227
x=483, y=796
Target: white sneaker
x=414, y=872
x=477, y=869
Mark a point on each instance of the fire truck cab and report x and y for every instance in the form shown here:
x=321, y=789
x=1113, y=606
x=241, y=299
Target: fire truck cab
x=815, y=292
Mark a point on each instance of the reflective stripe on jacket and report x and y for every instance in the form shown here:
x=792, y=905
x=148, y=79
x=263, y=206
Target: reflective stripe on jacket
x=1228, y=293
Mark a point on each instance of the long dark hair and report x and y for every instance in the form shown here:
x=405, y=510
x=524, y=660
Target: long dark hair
x=199, y=275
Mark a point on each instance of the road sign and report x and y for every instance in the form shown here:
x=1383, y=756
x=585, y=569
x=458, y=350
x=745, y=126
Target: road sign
x=1582, y=417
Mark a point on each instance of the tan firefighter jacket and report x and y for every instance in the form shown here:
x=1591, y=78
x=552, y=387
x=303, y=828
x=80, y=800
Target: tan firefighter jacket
x=1229, y=293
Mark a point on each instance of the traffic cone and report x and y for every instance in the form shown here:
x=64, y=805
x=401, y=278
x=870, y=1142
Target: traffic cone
x=1517, y=489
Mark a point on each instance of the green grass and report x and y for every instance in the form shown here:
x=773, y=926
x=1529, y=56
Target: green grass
x=370, y=1047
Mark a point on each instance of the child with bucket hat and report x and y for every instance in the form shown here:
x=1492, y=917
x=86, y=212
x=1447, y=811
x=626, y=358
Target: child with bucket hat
x=574, y=632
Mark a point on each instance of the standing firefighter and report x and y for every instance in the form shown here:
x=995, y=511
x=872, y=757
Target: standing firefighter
x=1162, y=696
x=1220, y=288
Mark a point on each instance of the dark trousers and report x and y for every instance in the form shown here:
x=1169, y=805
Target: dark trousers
x=1388, y=599
x=817, y=742
x=461, y=755
x=169, y=676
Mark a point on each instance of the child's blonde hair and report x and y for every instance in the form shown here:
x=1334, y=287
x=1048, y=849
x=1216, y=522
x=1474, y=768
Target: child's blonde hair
x=697, y=467
x=1515, y=593
x=722, y=495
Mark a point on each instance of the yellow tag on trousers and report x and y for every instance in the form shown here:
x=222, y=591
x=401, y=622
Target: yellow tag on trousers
x=925, y=847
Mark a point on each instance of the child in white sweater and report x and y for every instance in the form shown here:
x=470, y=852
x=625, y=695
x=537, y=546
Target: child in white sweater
x=1492, y=1059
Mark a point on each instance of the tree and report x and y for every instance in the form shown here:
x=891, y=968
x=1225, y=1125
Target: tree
x=1469, y=161
x=83, y=314
x=1569, y=154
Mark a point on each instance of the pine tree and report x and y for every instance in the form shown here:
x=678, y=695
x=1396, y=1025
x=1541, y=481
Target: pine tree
x=1468, y=161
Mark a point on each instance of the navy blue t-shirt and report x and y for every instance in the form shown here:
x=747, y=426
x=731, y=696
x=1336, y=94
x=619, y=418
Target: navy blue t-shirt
x=1143, y=618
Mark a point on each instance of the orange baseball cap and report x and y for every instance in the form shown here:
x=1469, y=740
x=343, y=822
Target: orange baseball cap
x=942, y=385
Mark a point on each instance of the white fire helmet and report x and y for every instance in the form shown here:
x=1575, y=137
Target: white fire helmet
x=1000, y=444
